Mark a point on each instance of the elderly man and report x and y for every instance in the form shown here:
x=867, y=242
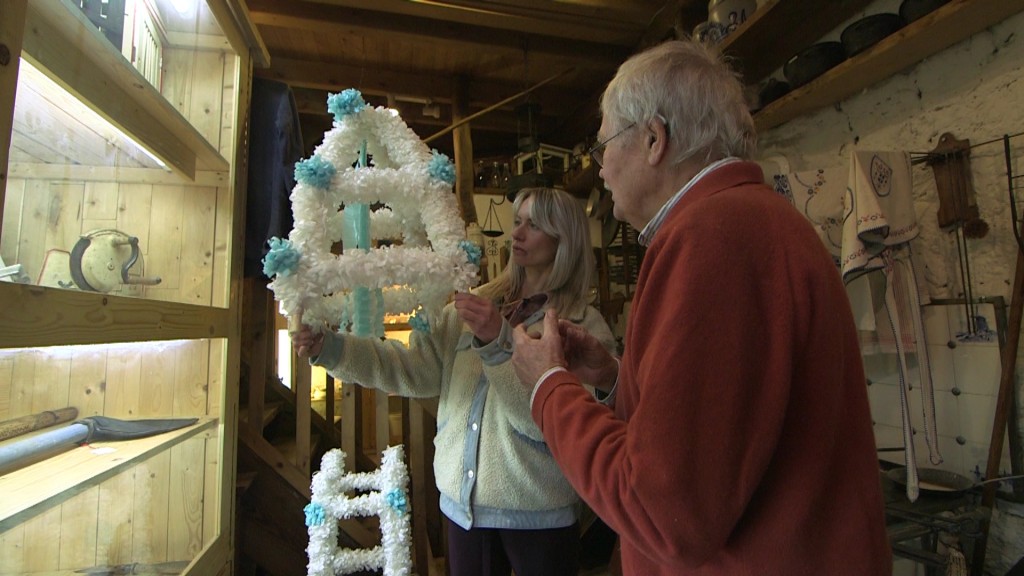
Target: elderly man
x=740, y=440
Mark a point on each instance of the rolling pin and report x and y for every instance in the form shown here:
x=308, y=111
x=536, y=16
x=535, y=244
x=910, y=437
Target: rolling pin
x=38, y=421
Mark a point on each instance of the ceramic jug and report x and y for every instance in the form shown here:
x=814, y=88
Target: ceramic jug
x=730, y=13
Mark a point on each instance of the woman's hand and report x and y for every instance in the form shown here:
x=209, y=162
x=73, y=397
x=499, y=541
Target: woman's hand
x=480, y=314
x=306, y=343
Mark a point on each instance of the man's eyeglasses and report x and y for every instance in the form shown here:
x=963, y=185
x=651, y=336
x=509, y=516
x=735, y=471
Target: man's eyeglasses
x=597, y=151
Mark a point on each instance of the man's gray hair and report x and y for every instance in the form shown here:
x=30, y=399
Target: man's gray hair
x=691, y=88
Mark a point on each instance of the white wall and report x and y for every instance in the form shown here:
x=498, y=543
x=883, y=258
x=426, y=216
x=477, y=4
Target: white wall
x=974, y=90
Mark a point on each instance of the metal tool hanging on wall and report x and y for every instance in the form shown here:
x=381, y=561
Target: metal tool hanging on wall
x=958, y=209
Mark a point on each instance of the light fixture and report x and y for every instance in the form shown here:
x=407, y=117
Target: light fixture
x=183, y=7
x=527, y=117
x=431, y=109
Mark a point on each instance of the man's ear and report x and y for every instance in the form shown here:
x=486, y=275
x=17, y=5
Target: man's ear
x=657, y=141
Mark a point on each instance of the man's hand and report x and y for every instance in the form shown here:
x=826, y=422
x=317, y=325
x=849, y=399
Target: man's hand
x=306, y=343
x=587, y=357
x=480, y=314
x=534, y=355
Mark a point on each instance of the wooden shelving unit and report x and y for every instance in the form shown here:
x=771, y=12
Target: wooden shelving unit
x=928, y=35
x=75, y=112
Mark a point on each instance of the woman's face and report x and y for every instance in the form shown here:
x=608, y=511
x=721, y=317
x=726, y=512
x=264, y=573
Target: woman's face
x=531, y=247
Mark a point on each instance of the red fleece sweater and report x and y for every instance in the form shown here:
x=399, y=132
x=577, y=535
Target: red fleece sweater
x=741, y=440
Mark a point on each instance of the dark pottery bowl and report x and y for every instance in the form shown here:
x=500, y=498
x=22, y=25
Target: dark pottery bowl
x=867, y=31
x=772, y=90
x=911, y=10
x=812, y=62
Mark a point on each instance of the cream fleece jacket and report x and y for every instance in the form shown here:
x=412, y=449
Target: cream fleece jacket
x=492, y=466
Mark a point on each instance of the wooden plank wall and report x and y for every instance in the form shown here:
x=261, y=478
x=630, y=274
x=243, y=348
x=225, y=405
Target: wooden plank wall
x=164, y=509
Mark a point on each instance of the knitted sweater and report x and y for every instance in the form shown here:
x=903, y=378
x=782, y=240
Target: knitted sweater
x=741, y=440
x=491, y=464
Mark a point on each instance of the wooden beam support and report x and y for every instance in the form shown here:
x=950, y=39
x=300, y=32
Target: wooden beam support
x=605, y=13
x=234, y=19
x=12, y=26
x=465, y=180
x=341, y=21
x=310, y=82
x=301, y=376
x=610, y=21
x=314, y=102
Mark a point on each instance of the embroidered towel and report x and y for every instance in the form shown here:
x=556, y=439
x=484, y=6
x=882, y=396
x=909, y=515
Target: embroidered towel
x=818, y=195
x=879, y=209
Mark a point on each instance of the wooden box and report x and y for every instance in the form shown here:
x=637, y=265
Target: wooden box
x=123, y=190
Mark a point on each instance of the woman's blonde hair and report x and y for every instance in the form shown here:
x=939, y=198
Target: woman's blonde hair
x=560, y=216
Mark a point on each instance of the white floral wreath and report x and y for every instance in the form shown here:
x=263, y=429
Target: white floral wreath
x=386, y=498
x=371, y=158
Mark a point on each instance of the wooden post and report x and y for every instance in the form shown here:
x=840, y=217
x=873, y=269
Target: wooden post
x=1004, y=402
x=351, y=423
x=301, y=375
x=12, y=30
x=261, y=322
x=382, y=422
x=416, y=438
x=463, y=140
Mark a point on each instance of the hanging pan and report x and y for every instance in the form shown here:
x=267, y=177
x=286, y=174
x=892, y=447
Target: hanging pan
x=940, y=482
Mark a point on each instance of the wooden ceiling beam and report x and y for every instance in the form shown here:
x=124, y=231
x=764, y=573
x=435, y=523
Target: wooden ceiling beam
x=337, y=20
x=336, y=77
x=399, y=83
x=311, y=102
x=614, y=22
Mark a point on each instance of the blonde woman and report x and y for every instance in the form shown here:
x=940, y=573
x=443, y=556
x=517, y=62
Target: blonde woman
x=509, y=506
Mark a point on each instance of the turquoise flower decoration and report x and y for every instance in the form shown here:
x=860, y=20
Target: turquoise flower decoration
x=472, y=251
x=441, y=168
x=314, y=514
x=282, y=258
x=346, y=102
x=315, y=171
x=419, y=323
x=396, y=499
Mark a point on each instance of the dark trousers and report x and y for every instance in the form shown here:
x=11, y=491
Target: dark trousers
x=497, y=552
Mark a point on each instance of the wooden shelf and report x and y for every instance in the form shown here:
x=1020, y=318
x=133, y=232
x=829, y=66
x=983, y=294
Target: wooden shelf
x=490, y=191
x=779, y=29
x=42, y=316
x=928, y=35
x=40, y=486
x=60, y=39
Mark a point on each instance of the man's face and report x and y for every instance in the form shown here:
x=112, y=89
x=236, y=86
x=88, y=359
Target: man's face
x=621, y=161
